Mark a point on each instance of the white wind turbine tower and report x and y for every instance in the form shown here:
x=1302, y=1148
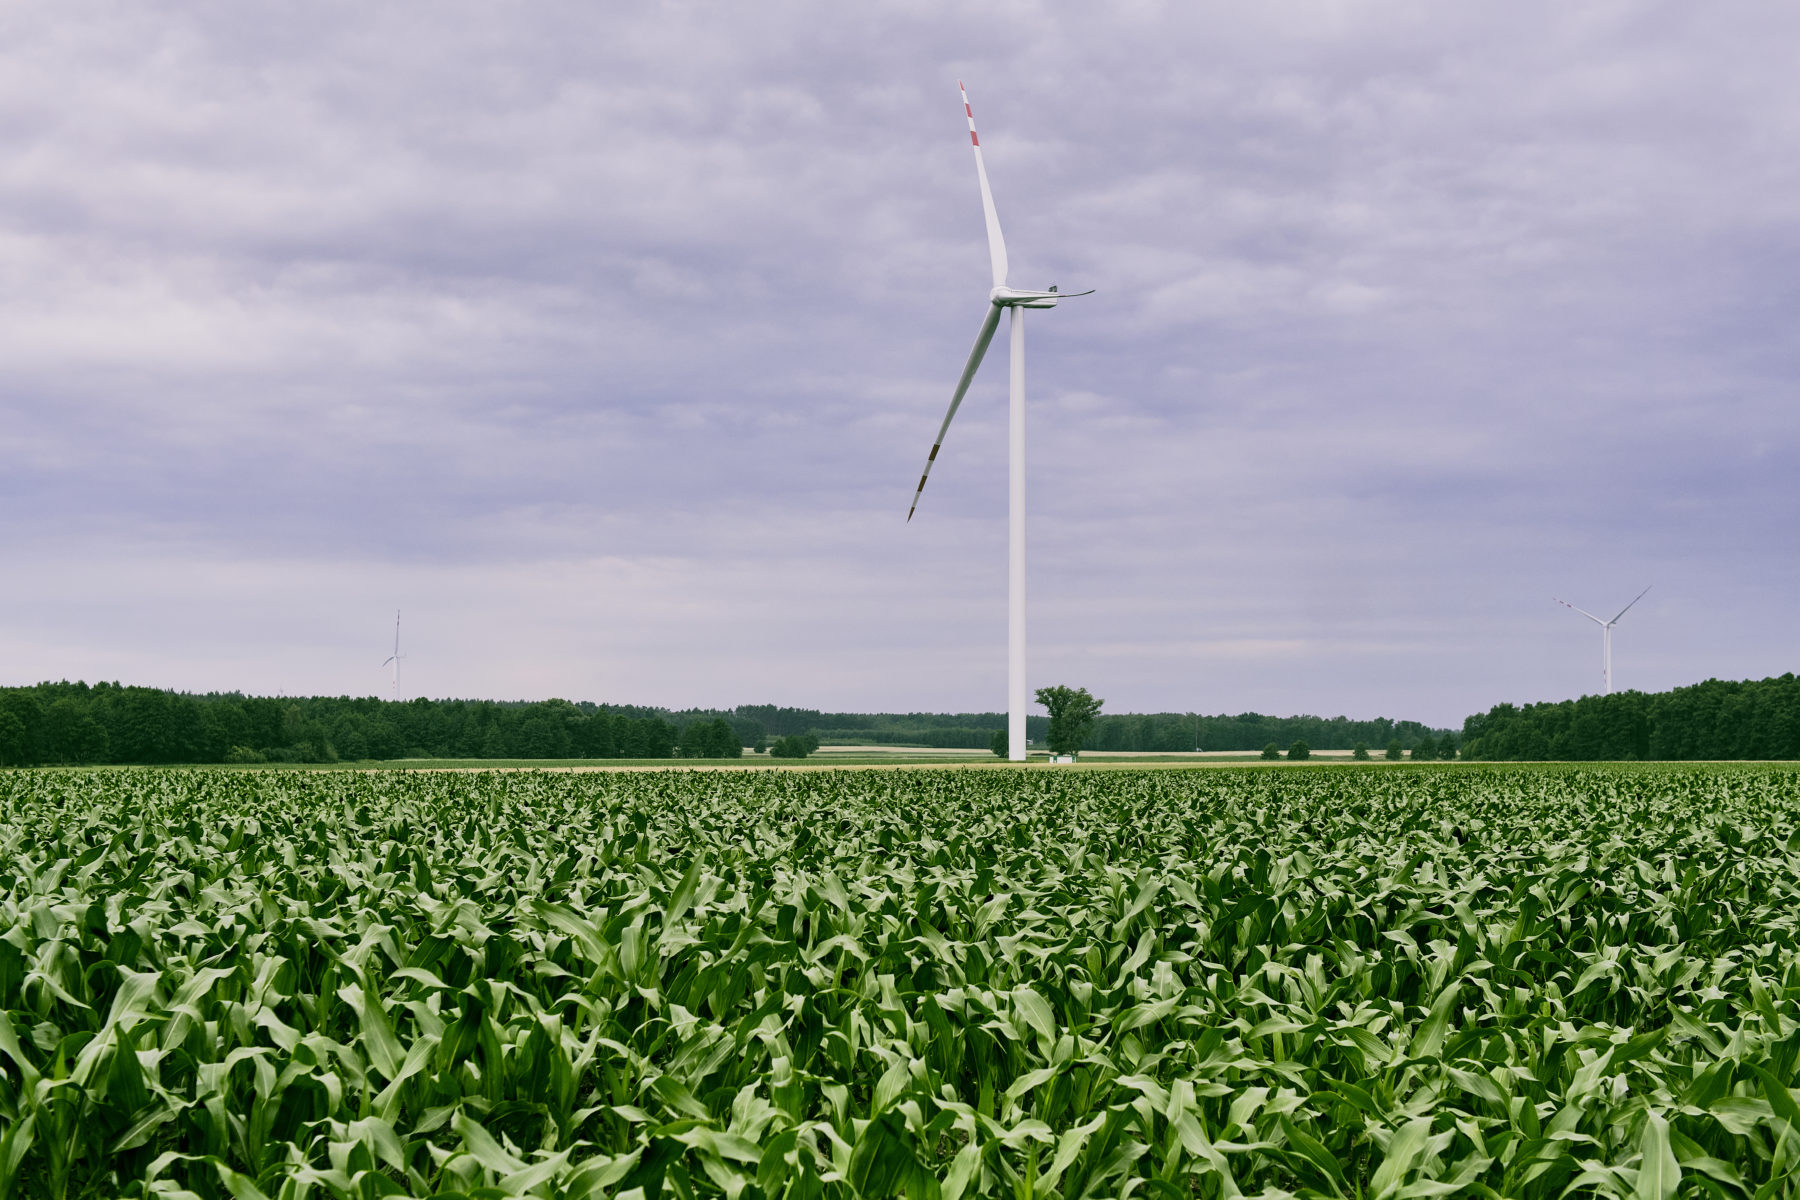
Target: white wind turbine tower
x=1606, y=628
x=396, y=656
x=1013, y=300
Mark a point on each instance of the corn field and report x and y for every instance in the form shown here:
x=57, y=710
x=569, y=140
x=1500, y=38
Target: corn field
x=1335, y=982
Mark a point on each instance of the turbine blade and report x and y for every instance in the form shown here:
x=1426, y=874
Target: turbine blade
x=386, y=661
x=1584, y=612
x=1634, y=600
x=991, y=323
x=996, y=243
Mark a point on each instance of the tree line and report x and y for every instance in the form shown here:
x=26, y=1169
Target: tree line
x=1144, y=733
x=103, y=723
x=1718, y=719
x=1161, y=732
x=76, y=723
x=969, y=729
x=107, y=723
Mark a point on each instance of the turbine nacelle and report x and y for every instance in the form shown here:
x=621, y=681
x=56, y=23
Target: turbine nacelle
x=1010, y=297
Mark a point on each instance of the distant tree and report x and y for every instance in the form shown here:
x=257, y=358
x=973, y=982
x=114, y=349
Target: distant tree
x=1393, y=750
x=790, y=746
x=1426, y=750
x=1271, y=751
x=998, y=744
x=351, y=744
x=1447, y=748
x=293, y=720
x=15, y=750
x=762, y=744
x=632, y=738
x=1299, y=751
x=222, y=726
x=1361, y=752
x=1072, y=713
x=543, y=735
x=658, y=738
x=810, y=740
x=749, y=730
x=315, y=744
x=713, y=738
x=382, y=739
x=19, y=742
x=72, y=734
x=720, y=740
x=594, y=734
x=144, y=729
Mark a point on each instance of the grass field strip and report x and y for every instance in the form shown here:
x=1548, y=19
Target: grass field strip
x=1329, y=982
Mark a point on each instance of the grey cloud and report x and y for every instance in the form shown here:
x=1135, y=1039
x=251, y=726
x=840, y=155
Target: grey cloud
x=627, y=334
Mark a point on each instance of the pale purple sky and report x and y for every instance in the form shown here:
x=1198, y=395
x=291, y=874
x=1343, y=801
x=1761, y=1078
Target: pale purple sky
x=609, y=349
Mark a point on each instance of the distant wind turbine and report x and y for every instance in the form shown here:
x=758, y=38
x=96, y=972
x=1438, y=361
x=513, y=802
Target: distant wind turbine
x=1013, y=300
x=1606, y=628
x=396, y=656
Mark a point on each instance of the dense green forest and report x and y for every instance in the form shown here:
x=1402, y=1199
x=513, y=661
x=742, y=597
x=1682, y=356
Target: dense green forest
x=1712, y=720
x=1151, y=732
x=967, y=731
x=1147, y=733
x=108, y=723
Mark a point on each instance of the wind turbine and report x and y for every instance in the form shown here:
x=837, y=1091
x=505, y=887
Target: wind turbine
x=396, y=656
x=1606, y=628
x=1013, y=301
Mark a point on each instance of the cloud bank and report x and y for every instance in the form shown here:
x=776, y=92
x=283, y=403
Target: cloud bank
x=608, y=349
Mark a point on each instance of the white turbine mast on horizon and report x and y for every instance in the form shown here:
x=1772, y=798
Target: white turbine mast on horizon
x=1606, y=628
x=396, y=656
x=1013, y=300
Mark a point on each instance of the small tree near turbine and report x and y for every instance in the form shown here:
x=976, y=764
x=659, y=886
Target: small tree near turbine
x=797, y=745
x=1072, y=713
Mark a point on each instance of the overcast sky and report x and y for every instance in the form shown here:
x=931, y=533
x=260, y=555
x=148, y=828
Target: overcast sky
x=609, y=350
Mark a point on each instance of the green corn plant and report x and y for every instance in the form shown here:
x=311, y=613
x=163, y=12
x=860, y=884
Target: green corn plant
x=1311, y=982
